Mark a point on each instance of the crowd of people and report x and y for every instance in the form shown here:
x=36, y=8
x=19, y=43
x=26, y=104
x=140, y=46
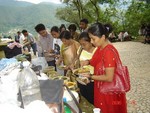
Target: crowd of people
x=122, y=36
x=91, y=47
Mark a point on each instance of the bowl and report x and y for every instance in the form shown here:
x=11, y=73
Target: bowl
x=71, y=85
x=49, y=68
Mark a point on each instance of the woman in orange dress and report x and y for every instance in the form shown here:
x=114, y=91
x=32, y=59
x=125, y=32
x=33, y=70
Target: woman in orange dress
x=104, y=63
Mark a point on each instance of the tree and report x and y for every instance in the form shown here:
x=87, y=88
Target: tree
x=79, y=9
x=136, y=15
x=147, y=1
x=77, y=5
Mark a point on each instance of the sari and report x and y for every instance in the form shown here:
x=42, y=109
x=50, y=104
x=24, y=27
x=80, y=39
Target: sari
x=69, y=54
x=107, y=102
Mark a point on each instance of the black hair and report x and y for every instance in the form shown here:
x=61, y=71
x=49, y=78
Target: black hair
x=24, y=31
x=98, y=29
x=85, y=36
x=18, y=32
x=62, y=26
x=65, y=34
x=40, y=27
x=85, y=21
x=109, y=27
x=72, y=27
x=55, y=28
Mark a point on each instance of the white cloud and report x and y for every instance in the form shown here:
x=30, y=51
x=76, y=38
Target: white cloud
x=38, y=1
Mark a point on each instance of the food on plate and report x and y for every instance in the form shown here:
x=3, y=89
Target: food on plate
x=85, y=80
x=70, y=84
x=52, y=75
x=66, y=79
x=82, y=70
x=49, y=69
x=62, y=66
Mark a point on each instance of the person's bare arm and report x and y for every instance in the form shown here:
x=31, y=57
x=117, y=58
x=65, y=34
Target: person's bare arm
x=108, y=77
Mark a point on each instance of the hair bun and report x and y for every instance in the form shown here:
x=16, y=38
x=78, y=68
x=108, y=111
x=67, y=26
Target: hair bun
x=108, y=28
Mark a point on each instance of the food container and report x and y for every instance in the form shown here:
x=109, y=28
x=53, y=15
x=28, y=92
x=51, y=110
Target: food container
x=71, y=85
x=66, y=79
x=53, y=75
x=48, y=69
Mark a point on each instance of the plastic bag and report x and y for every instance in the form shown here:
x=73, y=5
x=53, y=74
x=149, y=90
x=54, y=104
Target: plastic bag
x=40, y=61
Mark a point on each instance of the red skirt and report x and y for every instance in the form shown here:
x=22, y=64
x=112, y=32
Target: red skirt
x=110, y=102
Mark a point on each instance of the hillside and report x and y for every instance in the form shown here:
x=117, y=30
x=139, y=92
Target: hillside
x=14, y=3
x=24, y=15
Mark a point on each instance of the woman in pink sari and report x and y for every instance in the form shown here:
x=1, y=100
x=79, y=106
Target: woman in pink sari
x=104, y=63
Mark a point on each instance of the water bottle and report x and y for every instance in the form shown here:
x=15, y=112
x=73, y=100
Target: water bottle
x=66, y=108
x=29, y=85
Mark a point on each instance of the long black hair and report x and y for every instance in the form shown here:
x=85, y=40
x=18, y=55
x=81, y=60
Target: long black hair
x=98, y=29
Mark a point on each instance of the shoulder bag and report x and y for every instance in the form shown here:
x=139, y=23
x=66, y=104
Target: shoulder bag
x=121, y=80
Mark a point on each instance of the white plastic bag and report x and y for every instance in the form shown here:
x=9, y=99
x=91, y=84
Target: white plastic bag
x=8, y=91
x=40, y=61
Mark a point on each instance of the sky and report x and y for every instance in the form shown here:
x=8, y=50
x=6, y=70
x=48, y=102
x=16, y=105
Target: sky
x=38, y=1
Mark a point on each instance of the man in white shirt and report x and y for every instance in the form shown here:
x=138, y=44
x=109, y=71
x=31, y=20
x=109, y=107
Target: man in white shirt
x=45, y=44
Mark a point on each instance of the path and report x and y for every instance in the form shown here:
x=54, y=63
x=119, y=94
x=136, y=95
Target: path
x=136, y=56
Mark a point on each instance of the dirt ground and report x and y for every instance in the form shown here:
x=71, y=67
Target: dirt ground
x=136, y=56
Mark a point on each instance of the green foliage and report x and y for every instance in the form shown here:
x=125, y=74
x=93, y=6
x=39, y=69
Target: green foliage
x=136, y=15
x=125, y=15
x=67, y=14
x=147, y=1
x=91, y=9
x=107, y=1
